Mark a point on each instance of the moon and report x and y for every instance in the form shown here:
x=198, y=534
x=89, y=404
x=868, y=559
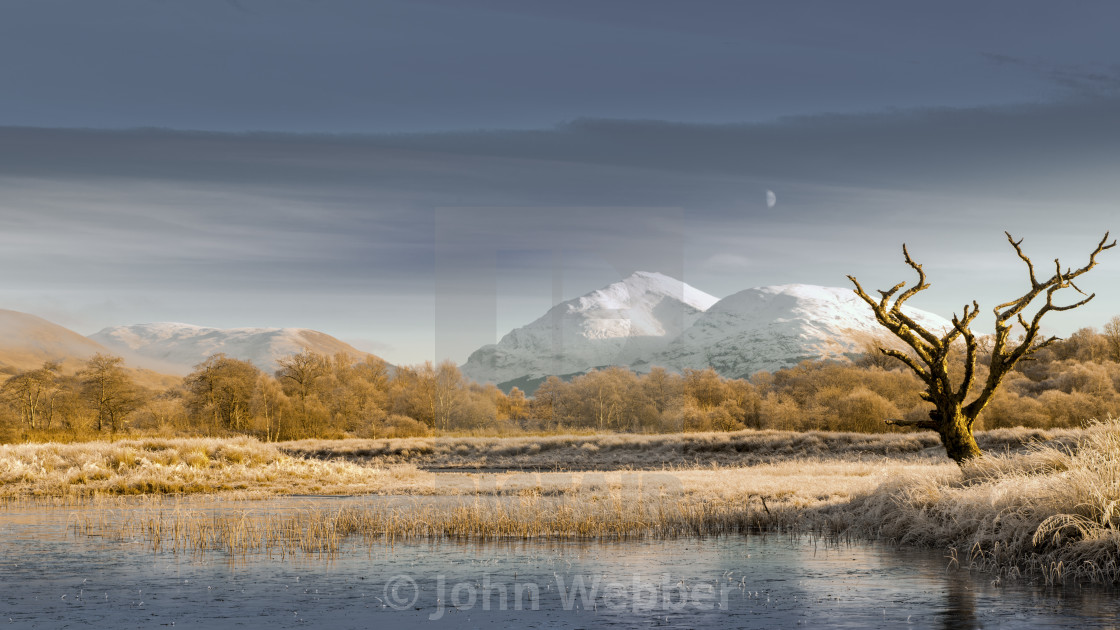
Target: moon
x=771, y=199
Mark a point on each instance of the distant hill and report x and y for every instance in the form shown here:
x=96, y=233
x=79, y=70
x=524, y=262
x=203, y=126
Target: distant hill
x=176, y=348
x=26, y=341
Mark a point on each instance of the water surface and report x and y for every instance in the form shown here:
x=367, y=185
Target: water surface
x=52, y=578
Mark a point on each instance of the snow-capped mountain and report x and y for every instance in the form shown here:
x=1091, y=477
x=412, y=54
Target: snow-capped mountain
x=650, y=320
x=621, y=324
x=176, y=348
x=769, y=328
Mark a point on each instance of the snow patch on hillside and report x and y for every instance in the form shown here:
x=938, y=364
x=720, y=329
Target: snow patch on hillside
x=178, y=347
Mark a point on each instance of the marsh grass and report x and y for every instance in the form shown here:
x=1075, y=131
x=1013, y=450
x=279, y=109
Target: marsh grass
x=323, y=531
x=175, y=466
x=1051, y=514
x=622, y=451
x=223, y=465
x=513, y=506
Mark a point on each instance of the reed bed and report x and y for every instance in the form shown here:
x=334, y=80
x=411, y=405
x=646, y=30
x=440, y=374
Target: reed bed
x=600, y=505
x=323, y=532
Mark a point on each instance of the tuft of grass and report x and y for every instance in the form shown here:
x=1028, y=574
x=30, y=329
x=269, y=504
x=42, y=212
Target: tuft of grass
x=1050, y=514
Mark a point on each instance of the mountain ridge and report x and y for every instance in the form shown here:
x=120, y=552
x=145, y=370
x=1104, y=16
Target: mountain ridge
x=177, y=347
x=761, y=328
x=778, y=326
x=27, y=340
x=647, y=319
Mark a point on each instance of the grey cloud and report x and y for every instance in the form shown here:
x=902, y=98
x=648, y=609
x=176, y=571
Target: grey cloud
x=318, y=219
x=390, y=65
x=606, y=162
x=314, y=204
x=1085, y=80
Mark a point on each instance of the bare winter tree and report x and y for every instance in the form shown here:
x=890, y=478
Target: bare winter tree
x=951, y=416
x=109, y=390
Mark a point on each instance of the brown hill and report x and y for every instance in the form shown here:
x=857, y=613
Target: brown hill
x=27, y=341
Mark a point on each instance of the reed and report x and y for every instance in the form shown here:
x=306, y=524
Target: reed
x=598, y=505
x=322, y=531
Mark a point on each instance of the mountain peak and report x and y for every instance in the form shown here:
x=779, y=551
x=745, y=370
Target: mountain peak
x=646, y=286
x=614, y=325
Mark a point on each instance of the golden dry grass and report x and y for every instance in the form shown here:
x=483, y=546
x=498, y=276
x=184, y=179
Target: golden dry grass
x=211, y=465
x=1052, y=513
x=512, y=505
x=215, y=465
x=177, y=466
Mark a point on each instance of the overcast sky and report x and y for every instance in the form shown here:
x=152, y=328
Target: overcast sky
x=420, y=177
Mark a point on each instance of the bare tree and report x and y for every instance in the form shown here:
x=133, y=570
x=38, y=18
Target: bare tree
x=951, y=416
x=1111, y=333
x=300, y=375
x=109, y=390
x=221, y=388
x=32, y=394
x=444, y=391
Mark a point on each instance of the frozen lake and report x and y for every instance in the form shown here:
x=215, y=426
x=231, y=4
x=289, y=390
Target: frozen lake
x=51, y=577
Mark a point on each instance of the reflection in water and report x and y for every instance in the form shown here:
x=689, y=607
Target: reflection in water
x=960, y=604
x=49, y=578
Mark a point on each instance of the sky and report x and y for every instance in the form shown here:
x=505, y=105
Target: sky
x=419, y=177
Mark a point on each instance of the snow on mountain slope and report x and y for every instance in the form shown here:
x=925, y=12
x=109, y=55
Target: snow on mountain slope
x=620, y=324
x=176, y=348
x=768, y=328
x=652, y=320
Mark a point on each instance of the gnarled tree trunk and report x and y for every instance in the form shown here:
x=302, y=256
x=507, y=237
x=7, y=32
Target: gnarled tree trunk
x=956, y=434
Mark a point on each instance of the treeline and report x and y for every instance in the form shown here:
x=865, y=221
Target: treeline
x=314, y=395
